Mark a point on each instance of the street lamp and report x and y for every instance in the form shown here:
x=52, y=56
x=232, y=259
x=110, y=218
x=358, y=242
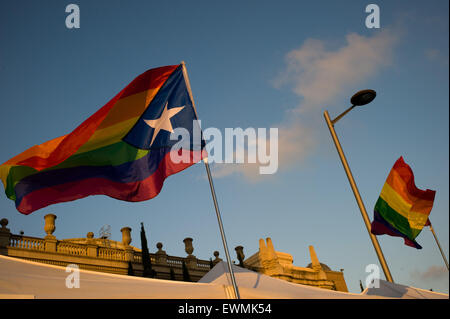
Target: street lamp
x=360, y=98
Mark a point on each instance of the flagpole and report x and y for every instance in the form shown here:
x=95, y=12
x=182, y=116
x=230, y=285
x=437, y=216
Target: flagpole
x=439, y=245
x=361, y=206
x=213, y=193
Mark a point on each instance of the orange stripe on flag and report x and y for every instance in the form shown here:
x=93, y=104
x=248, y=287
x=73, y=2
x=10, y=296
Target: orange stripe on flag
x=397, y=183
x=55, y=151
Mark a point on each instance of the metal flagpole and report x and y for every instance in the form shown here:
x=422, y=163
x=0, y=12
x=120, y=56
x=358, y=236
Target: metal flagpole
x=362, y=208
x=437, y=242
x=213, y=193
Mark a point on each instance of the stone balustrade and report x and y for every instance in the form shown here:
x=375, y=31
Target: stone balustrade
x=102, y=254
x=111, y=254
x=99, y=254
x=71, y=249
x=203, y=264
x=25, y=242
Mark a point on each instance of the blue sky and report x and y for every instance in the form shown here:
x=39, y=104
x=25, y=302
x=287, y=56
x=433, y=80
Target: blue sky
x=251, y=64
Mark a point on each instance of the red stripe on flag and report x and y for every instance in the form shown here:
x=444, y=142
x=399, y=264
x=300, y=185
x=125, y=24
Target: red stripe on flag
x=407, y=175
x=132, y=192
x=74, y=140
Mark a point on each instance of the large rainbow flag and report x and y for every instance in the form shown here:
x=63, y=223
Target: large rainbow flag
x=402, y=209
x=123, y=150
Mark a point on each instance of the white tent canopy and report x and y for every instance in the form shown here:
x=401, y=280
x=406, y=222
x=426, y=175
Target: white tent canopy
x=392, y=290
x=22, y=278
x=255, y=285
x=26, y=279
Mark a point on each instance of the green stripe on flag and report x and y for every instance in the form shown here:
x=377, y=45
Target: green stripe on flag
x=111, y=155
x=396, y=220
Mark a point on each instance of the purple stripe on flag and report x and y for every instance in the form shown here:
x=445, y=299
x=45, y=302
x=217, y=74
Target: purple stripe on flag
x=382, y=227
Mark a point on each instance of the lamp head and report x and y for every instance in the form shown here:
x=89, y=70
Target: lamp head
x=363, y=97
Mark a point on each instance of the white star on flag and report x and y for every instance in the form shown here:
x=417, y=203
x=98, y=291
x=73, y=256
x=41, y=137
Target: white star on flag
x=163, y=122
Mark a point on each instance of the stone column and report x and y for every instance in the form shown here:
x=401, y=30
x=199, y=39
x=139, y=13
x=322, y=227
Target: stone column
x=126, y=240
x=160, y=255
x=191, y=260
x=240, y=255
x=49, y=227
x=92, y=248
x=217, y=259
x=315, y=264
x=268, y=258
x=320, y=273
x=188, y=247
x=126, y=236
x=5, y=234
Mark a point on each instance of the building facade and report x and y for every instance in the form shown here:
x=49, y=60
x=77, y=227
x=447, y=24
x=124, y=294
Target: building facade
x=280, y=265
x=105, y=255
x=100, y=254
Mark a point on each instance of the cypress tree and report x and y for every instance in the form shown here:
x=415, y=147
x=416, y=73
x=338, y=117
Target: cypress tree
x=146, y=261
x=186, y=276
x=130, y=269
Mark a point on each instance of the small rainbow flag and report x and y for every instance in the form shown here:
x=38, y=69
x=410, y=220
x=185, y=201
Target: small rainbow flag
x=402, y=209
x=123, y=150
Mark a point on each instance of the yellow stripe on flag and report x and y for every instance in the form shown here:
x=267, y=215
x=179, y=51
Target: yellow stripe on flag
x=417, y=219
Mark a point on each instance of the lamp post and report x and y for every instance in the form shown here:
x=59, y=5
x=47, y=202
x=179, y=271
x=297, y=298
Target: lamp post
x=360, y=98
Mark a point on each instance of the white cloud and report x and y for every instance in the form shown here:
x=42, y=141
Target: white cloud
x=432, y=273
x=437, y=55
x=295, y=142
x=318, y=76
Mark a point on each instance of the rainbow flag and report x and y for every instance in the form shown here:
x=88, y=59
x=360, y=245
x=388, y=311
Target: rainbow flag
x=123, y=150
x=402, y=209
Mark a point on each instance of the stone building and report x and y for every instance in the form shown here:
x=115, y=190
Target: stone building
x=100, y=254
x=105, y=255
x=280, y=265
